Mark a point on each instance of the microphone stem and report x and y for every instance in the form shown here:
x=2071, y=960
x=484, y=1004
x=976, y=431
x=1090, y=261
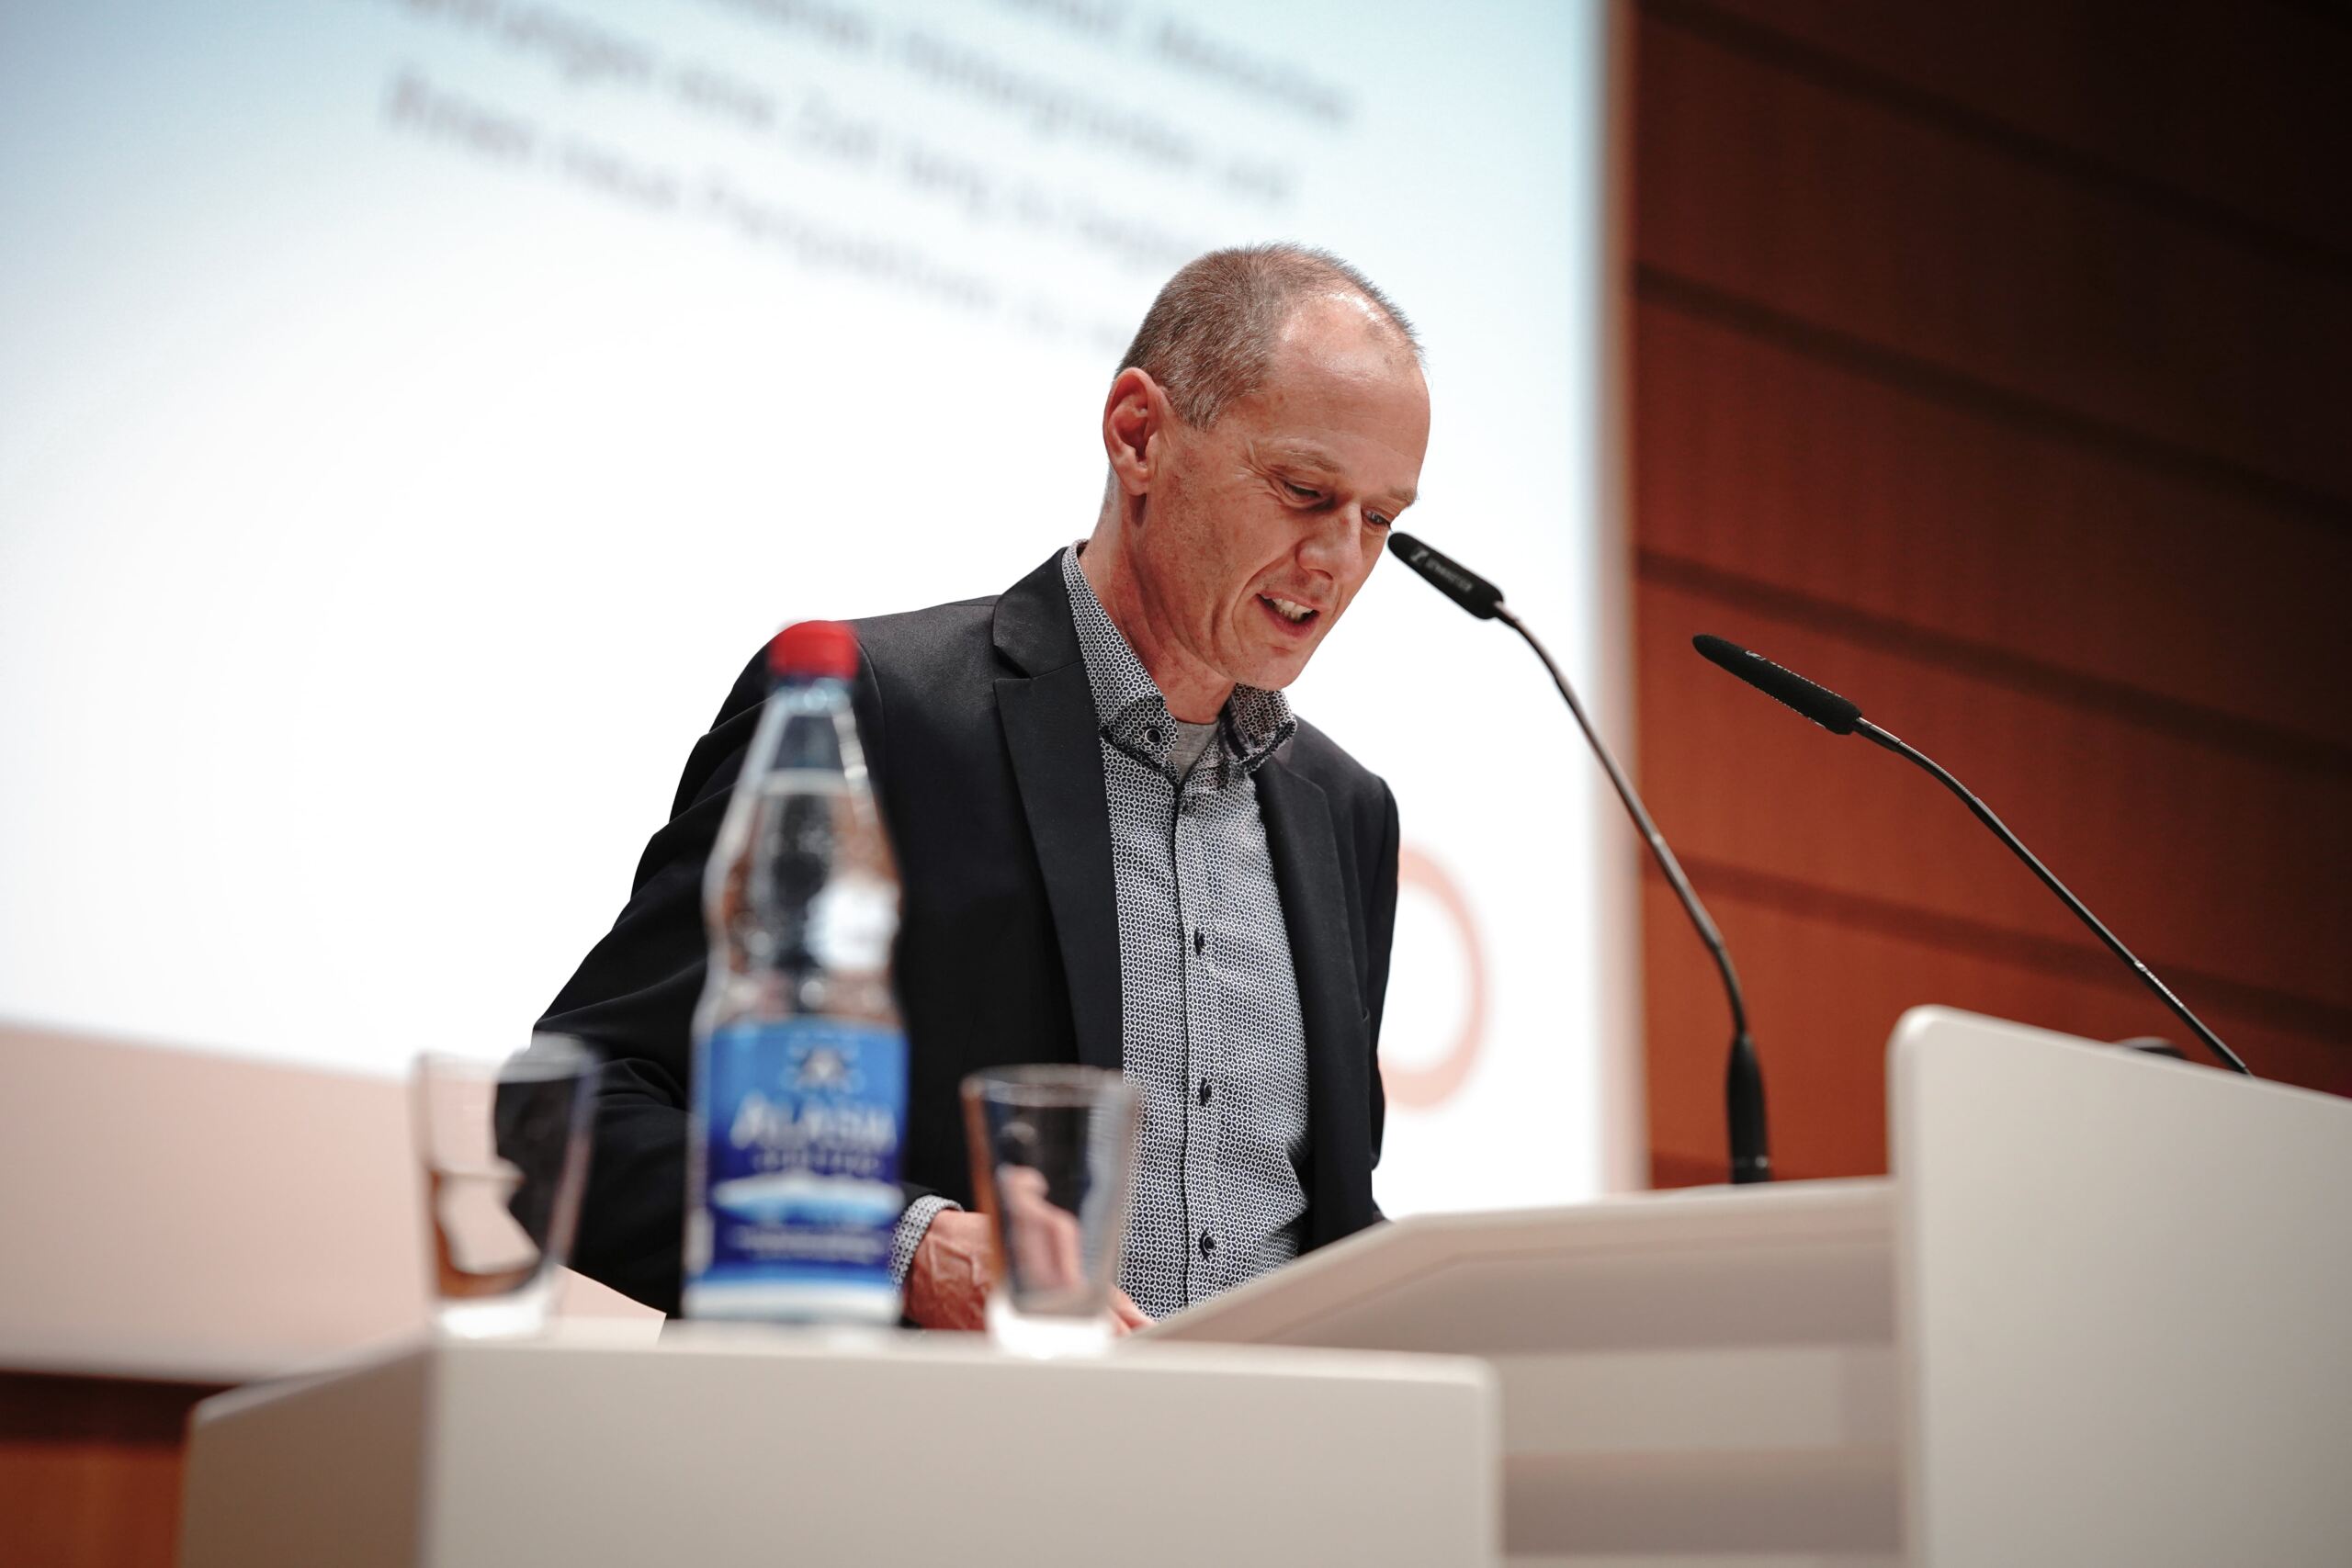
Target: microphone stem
x=1751, y=1160
x=1983, y=814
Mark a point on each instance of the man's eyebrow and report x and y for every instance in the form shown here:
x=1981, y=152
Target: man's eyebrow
x=1307, y=455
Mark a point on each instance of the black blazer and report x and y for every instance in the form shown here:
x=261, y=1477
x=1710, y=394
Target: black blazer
x=979, y=729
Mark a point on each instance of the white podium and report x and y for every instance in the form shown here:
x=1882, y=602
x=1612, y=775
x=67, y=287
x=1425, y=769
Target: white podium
x=2100, y=1314
x=731, y=1446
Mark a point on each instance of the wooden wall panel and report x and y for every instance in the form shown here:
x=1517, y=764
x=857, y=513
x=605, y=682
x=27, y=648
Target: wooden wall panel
x=2213, y=109
x=1998, y=546
x=1825, y=983
x=2202, y=859
x=1766, y=188
x=1988, y=366
x=90, y=1470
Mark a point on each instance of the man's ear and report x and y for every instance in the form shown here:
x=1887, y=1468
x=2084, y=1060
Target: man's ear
x=1135, y=412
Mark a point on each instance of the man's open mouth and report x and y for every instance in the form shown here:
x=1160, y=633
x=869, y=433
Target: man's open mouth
x=1290, y=610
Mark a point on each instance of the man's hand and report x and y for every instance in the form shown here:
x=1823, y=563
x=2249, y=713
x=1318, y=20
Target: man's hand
x=1048, y=1253
x=947, y=1283
x=1125, y=1316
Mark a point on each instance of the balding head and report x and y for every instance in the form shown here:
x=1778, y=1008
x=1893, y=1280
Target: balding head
x=1267, y=429
x=1210, y=336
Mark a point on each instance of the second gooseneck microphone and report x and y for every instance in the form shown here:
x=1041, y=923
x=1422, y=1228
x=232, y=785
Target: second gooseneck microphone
x=1751, y=1158
x=1840, y=717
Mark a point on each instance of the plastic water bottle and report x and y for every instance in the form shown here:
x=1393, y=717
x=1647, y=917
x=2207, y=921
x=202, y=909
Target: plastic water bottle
x=800, y=1058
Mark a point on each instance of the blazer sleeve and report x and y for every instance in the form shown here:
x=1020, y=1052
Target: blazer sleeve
x=1380, y=934
x=632, y=1000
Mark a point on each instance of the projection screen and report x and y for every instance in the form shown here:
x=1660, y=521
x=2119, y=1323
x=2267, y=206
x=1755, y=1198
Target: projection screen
x=414, y=413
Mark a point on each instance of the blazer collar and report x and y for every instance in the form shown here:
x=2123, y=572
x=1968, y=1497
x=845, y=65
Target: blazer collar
x=1302, y=843
x=1052, y=736
x=1134, y=714
x=1033, y=627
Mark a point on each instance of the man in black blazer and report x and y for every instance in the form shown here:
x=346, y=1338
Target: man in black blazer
x=1264, y=431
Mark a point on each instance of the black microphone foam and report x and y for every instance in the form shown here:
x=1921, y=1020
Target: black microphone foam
x=1817, y=703
x=1448, y=576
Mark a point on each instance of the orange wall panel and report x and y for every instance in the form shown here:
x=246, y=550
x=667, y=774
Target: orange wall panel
x=2200, y=859
x=2037, y=559
x=1826, y=984
x=1986, y=366
x=1843, y=213
x=90, y=1470
x=2211, y=107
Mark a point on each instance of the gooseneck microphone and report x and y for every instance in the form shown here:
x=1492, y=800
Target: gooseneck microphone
x=1839, y=716
x=1751, y=1158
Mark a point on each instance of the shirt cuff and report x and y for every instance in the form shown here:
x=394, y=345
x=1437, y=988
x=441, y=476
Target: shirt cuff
x=913, y=1224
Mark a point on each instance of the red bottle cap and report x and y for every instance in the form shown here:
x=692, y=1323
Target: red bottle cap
x=814, y=648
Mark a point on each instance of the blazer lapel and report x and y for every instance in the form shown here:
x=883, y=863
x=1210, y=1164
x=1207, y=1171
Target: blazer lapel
x=1306, y=852
x=1051, y=732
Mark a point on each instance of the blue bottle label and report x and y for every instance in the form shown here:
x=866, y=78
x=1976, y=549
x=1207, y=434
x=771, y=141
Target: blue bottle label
x=802, y=1120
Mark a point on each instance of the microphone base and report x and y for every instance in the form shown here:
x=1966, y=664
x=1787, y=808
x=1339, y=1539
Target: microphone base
x=1751, y=1157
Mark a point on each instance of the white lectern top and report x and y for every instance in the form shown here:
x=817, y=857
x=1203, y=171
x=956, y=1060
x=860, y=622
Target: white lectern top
x=2097, y=1316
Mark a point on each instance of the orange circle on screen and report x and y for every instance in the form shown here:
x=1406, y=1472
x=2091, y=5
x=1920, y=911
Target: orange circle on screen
x=1423, y=1087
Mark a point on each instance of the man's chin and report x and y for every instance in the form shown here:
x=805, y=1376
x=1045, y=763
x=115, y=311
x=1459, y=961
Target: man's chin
x=1275, y=674
x=1269, y=665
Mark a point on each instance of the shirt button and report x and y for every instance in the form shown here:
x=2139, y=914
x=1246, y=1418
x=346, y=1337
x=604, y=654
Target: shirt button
x=1208, y=1244
x=1204, y=1092
x=1152, y=735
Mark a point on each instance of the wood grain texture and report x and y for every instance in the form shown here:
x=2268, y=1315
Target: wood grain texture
x=2211, y=110
x=2201, y=860
x=1826, y=984
x=1840, y=211
x=1987, y=367
x=1973, y=539
x=90, y=1470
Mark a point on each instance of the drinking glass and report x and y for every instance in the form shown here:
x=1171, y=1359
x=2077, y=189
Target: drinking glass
x=504, y=1146
x=1053, y=1155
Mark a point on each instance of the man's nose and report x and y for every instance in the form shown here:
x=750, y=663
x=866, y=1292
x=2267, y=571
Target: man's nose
x=1336, y=541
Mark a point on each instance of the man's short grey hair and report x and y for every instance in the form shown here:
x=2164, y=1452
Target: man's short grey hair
x=1210, y=336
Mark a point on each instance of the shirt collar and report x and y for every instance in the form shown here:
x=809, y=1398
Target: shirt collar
x=1135, y=718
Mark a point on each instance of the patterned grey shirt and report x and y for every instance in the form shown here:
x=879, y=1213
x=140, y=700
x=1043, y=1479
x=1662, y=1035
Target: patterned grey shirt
x=1212, y=1040
x=1211, y=1035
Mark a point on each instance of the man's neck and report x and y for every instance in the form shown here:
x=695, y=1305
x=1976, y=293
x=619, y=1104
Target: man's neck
x=1193, y=692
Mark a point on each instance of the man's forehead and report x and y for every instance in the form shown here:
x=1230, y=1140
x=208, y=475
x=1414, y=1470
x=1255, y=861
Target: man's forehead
x=1302, y=451
x=1353, y=366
